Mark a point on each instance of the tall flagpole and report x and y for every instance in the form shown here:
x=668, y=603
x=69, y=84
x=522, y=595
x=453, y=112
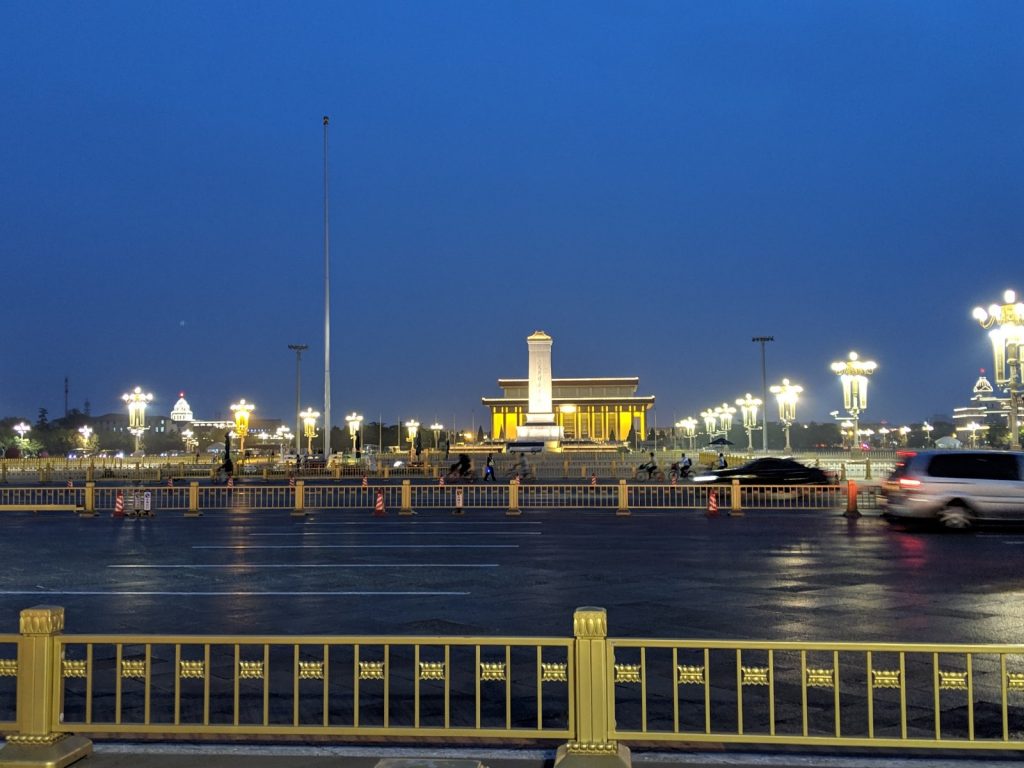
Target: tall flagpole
x=327, y=313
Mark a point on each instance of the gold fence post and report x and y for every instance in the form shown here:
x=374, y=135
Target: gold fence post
x=842, y=470
x=406, y=506
x=513, y=499
x=299, y=507
x=851, y=499
x=623, y=509
x=193, y=499
x=594, y=688
x=867, y=469
x=40, y=696
x=90, y=472
x=90, y=498
x=735, y=502
x=3, y=470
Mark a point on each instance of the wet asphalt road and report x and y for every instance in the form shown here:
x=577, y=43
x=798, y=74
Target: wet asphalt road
x=769, y=575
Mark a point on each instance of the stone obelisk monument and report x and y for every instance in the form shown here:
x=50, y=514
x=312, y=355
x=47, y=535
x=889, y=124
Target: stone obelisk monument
x=540, y=426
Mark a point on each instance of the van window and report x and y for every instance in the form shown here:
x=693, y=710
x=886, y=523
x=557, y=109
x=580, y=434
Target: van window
x=975, y=466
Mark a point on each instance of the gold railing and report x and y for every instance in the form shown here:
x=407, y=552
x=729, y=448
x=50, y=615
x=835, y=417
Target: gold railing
x=827, y=694
x=622, y=496
x=588, y=690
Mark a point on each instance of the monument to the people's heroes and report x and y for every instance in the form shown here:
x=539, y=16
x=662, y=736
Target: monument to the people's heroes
x=540, y=430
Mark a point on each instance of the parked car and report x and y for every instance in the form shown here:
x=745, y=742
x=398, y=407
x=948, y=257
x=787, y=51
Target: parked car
x=79, y=453
x=957, y=489
x=108, y=453
x=768, y=471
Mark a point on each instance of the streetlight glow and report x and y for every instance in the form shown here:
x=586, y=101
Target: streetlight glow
x=137, y=400
x=354, y=420
x=748, y=406
x=309, y=417
x=787, y=396
x=853, y=374
x=241, y=411
x=1007, y=337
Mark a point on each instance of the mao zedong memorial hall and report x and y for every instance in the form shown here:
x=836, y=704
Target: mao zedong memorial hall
x=561, y=413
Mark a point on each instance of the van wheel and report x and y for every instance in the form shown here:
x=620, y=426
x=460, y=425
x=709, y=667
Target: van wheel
x=956, y=517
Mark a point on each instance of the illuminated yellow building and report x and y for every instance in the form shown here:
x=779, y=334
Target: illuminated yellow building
x=593, y=410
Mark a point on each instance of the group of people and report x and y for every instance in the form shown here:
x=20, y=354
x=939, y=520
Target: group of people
x=463, y=468
x=681, y=468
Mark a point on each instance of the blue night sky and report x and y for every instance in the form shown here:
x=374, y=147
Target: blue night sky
x=652, y=183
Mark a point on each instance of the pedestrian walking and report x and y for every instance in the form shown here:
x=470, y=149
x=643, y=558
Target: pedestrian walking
x=489, y=468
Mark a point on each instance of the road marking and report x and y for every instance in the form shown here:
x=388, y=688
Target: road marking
x=401, y=533
x=355, y=546
x=459, y=523
x=273, y=593
x=314, y=565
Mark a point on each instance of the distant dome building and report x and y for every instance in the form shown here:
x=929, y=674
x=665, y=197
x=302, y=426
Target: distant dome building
x=182, y=411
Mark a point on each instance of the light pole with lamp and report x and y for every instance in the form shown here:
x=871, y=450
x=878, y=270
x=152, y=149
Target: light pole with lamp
x=762, y=340
x=710, y=423
x=284, y=436
x=436, y=428
x=748, y=407
x=354, y=420
x=309, y=417
x=189, y=440
x=787, y=396
x=974, y=427
x=22, y=429
x=883, y=433
x=847, y=429
x=853, y=374
x=412, y=427
x=724, y=413
x=241, y=411
x=137, y=400
x=1007, y=339
x=927, y=429
x=298, y=349
x=689, y=427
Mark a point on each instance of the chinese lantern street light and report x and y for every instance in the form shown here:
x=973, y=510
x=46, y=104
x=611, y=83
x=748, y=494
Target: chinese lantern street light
x=354, y=420
x=710, y=423
x=137, y=400
x=724, y=413
x=412, y=427
x=309, y=417
x=689, y=428
x=974, y=427
x=189, y=439
x=787, y=395
x=853, y=373
x=1007, y=339
x=241, y=411
x=22, y=429
x=748, y=407
x=436, y=428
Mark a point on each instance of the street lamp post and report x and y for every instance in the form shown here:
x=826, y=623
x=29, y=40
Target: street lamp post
x=847, y=429
x=241, y=411
x=1007, y=338
x=903, y=431
x=762, y=340
x=883, y=433
x=137, y=401
x=974, y=427
x=436, y=428
x=354, y=420
x=412, y=427
x=927, y=429
x=689, y=427
x=748, y=407
x=189, y=439
x=309, y=417
x=710, y=423
x=22, y=429
x=787, y=396
x=853, y=374
x=284, y=436
x=298, y=349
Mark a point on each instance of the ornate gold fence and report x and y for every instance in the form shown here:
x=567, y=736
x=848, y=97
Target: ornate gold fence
x=592, y=692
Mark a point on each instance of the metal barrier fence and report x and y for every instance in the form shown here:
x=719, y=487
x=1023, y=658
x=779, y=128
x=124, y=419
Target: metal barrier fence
x=621, y=496
x=592, y=691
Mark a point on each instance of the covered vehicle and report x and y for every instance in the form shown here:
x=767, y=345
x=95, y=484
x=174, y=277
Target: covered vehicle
x=768, y=471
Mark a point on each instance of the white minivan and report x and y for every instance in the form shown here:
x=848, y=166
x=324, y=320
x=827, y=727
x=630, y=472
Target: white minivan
x=956, y=488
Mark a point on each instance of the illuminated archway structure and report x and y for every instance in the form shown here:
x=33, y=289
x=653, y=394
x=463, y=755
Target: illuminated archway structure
x=599, y=410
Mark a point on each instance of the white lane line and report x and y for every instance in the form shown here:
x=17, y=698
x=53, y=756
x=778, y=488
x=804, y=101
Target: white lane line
x=355, y=546
x=274, y=593
x=401, y=533
x=458, y=523
x=312, y=565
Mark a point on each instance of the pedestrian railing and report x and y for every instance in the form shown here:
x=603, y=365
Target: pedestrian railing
x=404, y=496
x=592, y=692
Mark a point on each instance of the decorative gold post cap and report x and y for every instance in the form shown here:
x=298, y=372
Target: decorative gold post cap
x=538, y=336
x=42, y=620
x=590, y=622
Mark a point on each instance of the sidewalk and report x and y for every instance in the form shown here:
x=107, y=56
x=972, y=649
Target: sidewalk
x=118, y=755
